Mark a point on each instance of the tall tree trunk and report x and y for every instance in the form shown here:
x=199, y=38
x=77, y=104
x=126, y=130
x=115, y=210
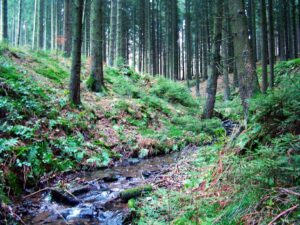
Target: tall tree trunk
x=119, y=40
x=188, y=41
x=41, y=24
x=87, y=33
x=112, y=33
x=4, y=21
x=76, y=53
x=225, y=48
x=286, y=17
x=13, y=30
x=271, y=42
x=33, y=44
x=205, y=42
x=248, y=83
x=67, y=27
x=96, y=78
x=281, y=34
x=19, y=22
x=264, y=43
x=197, y=41
x=52, y=25
x=252, y=26
x=56, y=25
x=46, y=27
x=215, y=64
x=298, y=26
x=294, y=28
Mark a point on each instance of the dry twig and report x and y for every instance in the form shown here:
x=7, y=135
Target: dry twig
x=283, y=213
x=37, y=192
x=290, y=192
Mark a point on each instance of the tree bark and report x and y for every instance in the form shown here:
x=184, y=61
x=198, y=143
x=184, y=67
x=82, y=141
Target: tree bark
x=4, y=21
x=281, y=34
x=19, y=22
x=215, y=64
x=252, y=26
x=248, y=83
x=113, y=30
x=76, y=53
x=41, y=24
x=271, y=42
x=96, y=77
x=225, y=48
x=294, y=28
x=120, y=59
x=67, y=28
x=52, y=25
x=264, y=44
x=188, y=41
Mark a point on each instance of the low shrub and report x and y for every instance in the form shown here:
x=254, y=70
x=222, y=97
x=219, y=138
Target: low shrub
x=173, y=92
x=279, y=111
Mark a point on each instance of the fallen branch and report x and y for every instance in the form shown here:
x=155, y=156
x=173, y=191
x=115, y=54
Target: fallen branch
x=283, y=213
x=290, y=192
x=37, y=192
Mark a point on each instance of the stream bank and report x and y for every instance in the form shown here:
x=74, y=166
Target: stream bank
x=94, y=197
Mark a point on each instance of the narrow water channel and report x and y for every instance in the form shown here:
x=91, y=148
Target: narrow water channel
x=97, y=194
x=94, y=197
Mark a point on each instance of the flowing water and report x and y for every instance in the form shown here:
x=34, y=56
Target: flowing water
x=96, y=194
x=94, y=197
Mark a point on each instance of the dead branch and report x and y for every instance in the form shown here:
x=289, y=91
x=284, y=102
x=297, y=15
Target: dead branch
x=37, y=192
x=290, y=192
x=283, y=213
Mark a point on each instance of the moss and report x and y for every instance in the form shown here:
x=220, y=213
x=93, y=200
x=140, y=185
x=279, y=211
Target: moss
x=57, y=75
x=135, y=192
x=9, y=73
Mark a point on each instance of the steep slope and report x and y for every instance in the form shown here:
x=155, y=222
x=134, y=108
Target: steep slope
x=253, y=178
x=41, y=134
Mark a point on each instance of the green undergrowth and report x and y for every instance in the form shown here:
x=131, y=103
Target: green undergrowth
x=41, y=133
x=163, y=113
x=48, y=67
x=250, y=180
x=35, y=136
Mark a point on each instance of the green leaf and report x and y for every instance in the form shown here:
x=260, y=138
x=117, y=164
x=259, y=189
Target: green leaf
x=7, y=144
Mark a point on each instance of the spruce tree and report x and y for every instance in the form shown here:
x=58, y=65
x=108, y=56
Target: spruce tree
x=76, y=53
x=96, y=77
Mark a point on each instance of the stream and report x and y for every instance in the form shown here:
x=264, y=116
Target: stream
x=94, y=197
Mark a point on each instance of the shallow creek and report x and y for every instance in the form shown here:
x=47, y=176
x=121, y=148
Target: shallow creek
x=95, y=196
x=97, y=193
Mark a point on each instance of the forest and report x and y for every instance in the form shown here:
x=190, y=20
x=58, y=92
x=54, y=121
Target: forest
x=150, y=112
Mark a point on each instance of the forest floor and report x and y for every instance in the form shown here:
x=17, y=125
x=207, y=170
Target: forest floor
x=250, y=177
x=203, y=85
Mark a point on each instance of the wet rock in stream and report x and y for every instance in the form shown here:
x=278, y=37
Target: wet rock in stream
x=64, y=198
x=81, y=190
x=112, y=178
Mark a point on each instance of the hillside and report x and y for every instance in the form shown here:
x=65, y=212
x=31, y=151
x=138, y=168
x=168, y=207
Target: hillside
x=248, y=177
x=136, y=116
